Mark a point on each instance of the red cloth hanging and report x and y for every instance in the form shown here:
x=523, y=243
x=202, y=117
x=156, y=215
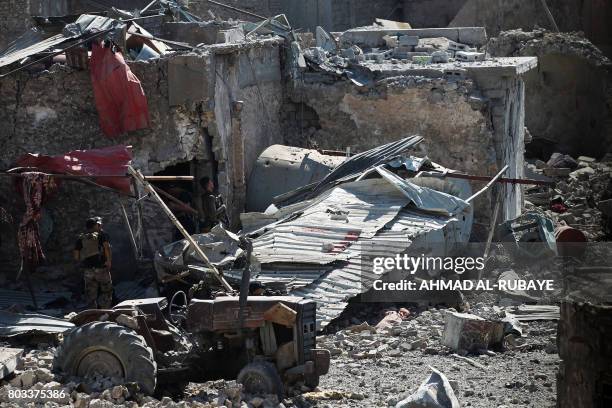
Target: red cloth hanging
x=120, y=99
x=107, y=161
x=35, y=187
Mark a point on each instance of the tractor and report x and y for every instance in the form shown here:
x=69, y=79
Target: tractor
x=264, y=342
x=265, y=345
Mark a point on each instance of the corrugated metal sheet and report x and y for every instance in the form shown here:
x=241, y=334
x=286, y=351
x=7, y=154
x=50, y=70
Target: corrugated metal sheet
x=424, y=198
x=23, y=48
x=331, y=224
x=371, y=158
x=355, y=166
x=14, y=324
x=333, y=289
x=376, y=217
x=34, y=41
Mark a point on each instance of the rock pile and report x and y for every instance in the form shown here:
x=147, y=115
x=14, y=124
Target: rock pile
x=577, y=200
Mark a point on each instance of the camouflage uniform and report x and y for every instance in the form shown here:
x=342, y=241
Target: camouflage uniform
x=98, y=282
x=98, y=288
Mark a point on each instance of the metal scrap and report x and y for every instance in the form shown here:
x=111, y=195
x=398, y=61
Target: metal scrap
x=16, y=324
x=322, y=246
x=9, y=358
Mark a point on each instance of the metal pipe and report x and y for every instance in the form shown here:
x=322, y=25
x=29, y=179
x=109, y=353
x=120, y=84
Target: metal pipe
x=499, y=180
x=236, y=9
x=130, y=231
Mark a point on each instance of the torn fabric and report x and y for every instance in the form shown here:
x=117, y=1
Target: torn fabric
x=107, y=161
x=35, y=187
x=120, y=99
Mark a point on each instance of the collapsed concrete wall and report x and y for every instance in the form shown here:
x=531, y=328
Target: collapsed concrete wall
x=53, y=111
x=471, y=125
x=246, y=119
x=569, y=96
x=590, y=16
x=398, y=107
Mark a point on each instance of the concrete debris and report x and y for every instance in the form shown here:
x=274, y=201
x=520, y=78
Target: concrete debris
x=9, y=360
x=509, y=278
x=359, y=48
x=435, y=392
x=574, y=200
x=469, y=333
x=392, y=318
x=332, y=395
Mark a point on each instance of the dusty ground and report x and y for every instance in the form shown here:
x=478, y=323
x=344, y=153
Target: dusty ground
x=368, y=370
x=510, y=378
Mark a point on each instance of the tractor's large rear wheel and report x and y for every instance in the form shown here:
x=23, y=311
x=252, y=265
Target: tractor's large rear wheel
x=260, y=378
x=108, y=350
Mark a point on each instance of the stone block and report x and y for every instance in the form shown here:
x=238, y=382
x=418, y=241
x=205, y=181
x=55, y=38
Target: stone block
x=475, y=36
x=9, y=359
x=469, y=56
x=464, y=331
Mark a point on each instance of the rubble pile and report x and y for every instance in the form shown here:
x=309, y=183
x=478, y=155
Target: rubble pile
x=38, y=384
x=536, y=42
x=340, y=51
x=580, y=197
x=377, y=360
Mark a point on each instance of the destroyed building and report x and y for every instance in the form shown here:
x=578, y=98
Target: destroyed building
x=246, y=99
x=335, y=132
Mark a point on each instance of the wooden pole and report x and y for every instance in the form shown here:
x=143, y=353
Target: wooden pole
x=489, y=184
x=91, y=176
x=129, y=228
x=194, y=245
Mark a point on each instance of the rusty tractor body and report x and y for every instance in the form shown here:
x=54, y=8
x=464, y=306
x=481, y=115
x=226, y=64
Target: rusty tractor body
x=266, y=344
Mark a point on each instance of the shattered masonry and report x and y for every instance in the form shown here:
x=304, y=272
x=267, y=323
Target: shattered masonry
x=337, y=132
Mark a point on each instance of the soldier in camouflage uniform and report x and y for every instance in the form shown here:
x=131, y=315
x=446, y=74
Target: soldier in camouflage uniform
x=92, y=249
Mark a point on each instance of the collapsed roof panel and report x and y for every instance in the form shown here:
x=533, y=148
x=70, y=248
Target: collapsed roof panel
x=27, y=45
x=333, y=289
x=322, y=248
x=323, y=232
x=14, y=324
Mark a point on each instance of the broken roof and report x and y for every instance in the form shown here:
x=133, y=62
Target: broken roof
x=322, y=248
x=325, y=251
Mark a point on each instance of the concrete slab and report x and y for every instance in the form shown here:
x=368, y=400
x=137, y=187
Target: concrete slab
x=497, y=67
x=373, y=37
x=9, y=357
